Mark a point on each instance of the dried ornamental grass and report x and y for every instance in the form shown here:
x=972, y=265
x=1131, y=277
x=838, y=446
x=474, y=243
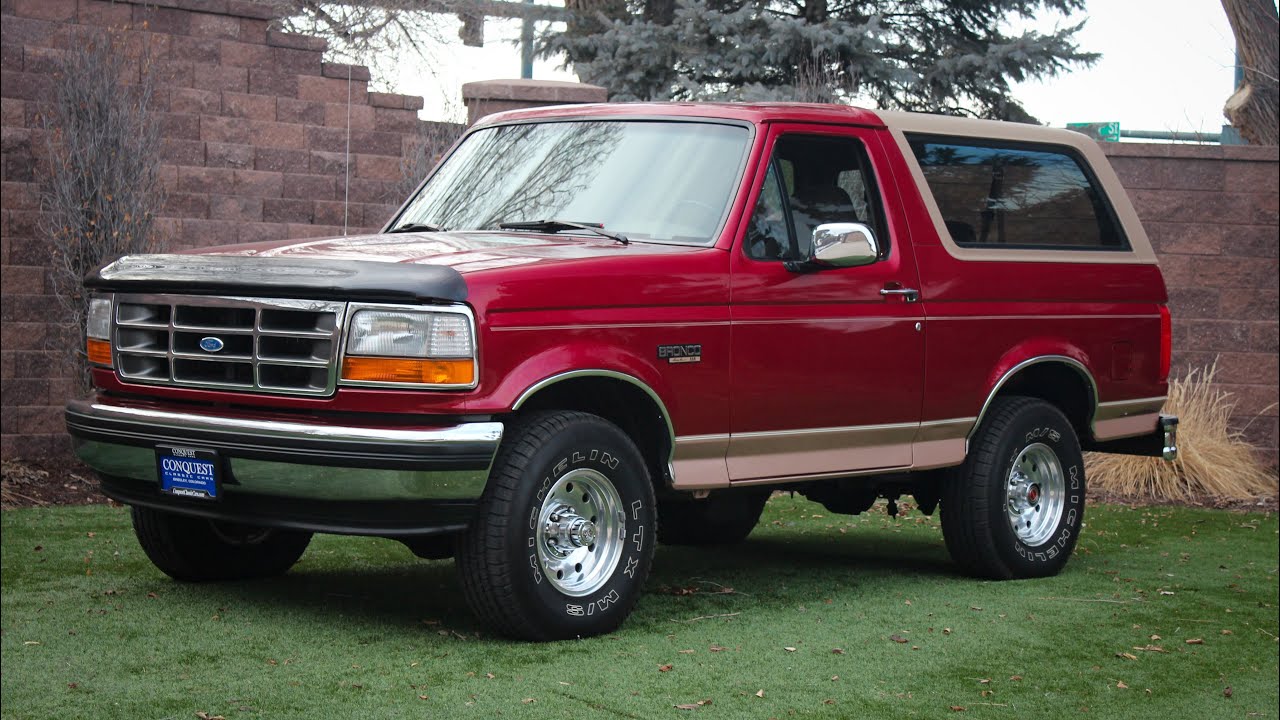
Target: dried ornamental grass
x=1213, y=460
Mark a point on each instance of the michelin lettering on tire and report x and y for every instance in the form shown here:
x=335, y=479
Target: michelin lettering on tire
x=1061, y=540
x=633, y=536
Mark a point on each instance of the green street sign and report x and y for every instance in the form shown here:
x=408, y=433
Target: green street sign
x=1100, y=131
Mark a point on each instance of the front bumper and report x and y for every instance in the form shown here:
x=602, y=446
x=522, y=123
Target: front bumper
x=305, y=475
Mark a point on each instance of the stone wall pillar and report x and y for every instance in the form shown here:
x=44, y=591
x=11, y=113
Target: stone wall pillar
x=486, y=97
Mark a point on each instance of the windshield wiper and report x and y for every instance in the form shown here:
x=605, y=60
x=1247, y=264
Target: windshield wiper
x=416, y=227
x=554, y=226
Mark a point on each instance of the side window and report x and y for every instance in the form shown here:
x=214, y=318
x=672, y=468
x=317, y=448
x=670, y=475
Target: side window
x=1016, y=195
x=812, y=180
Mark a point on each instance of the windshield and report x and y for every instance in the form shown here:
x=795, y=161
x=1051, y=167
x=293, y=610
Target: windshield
x=661, y=181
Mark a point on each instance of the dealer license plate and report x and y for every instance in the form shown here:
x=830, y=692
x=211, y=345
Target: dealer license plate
x=189, y=472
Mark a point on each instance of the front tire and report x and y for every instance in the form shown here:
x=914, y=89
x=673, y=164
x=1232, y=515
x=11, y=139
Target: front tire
x=1015, y=508
x=194, y=549
x=564, y=535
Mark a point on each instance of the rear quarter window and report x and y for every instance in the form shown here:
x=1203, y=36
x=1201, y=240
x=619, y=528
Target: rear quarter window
x=995, y=194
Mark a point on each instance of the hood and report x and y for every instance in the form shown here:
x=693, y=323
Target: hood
x=408, y=267
x=465, y=252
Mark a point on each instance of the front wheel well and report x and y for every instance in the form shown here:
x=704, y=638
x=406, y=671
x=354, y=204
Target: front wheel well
x=1060, y=384
x=620, y=402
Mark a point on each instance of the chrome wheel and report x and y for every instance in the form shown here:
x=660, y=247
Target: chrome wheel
x=580, y=533
x=1035, y=494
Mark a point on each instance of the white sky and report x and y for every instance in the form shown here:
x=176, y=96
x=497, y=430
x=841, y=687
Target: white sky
x=1166, y=65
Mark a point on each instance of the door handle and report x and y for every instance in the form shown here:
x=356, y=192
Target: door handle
x=908, y=294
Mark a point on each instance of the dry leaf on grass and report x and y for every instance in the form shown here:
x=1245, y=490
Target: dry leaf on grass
x=1195, y=641
x=760, y=693
x=898, y=638
x=664, y=668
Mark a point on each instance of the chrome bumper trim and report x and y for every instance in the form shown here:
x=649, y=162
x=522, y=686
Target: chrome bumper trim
x=1169, y=426
x=293, y=459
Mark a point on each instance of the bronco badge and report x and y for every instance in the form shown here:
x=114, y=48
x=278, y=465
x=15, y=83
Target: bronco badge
x=680, y=353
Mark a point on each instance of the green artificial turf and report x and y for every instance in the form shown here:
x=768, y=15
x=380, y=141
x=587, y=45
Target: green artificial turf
x=815, y=615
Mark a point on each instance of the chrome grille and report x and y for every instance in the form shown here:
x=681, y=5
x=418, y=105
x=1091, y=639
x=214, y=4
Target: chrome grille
x=234, y=343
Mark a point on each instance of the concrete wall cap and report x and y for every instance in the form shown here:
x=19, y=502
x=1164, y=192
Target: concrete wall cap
x=541, y=91
x=1256, y=153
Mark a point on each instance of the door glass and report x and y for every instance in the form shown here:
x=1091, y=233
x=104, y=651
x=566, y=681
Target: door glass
x=812, y=180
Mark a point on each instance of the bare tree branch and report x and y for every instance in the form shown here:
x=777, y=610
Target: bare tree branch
x=100, y=189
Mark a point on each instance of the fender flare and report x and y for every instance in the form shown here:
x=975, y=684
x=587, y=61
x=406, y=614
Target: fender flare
x=1070, y=362
x=546, y=382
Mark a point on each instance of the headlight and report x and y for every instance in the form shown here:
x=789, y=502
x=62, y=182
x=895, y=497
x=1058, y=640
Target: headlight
x=402, y=346
x=98, y=323
x=389, y=334
x=98, y=331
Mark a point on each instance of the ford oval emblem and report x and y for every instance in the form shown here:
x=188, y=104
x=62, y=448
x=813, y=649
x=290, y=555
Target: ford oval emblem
x=211, y=344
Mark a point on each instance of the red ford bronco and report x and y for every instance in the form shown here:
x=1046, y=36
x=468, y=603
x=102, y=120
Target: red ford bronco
x=597, y=328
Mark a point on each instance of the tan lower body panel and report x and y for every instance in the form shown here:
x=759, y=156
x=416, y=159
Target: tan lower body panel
x=716, y=461
x=704, y=462
x=1126, y=418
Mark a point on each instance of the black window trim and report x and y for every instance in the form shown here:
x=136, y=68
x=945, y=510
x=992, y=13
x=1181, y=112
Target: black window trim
x=1031, y=146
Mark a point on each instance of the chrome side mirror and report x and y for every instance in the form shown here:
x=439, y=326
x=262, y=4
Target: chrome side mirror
x=844, y=245
x=840, y=245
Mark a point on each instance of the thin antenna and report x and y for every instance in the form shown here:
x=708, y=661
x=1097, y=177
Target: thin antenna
x=346, y=163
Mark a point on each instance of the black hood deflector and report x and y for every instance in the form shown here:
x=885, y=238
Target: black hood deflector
x=281, y=277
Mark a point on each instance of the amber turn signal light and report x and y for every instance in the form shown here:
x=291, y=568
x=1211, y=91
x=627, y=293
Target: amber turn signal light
x=99, y=351
x=409, y=370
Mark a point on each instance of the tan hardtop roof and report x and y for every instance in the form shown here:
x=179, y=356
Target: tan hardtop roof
x=927, y=124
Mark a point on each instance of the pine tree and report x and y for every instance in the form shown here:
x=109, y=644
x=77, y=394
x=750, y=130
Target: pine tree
x=942, y=56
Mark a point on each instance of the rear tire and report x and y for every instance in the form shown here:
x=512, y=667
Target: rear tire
x=194, y=549
x=720, y=519
x=565, y=531
x=1015, y=507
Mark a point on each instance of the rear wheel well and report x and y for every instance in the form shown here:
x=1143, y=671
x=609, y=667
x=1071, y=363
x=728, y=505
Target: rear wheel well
x=621, y=403
x=1061, y=385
